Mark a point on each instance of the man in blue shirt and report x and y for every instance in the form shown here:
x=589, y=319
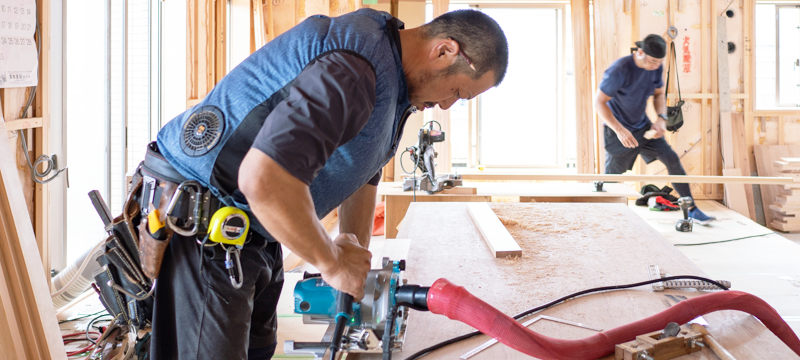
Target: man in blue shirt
x=621, y=102
x=301, y=127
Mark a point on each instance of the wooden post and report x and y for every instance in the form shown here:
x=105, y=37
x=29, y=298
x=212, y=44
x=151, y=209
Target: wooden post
x=605, y=43
x=42, y=140
x=27, y=319
x=583, y=86
x=705, y=126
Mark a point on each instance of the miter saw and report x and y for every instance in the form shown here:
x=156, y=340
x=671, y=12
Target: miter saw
x=376, y=324
x=423, y=155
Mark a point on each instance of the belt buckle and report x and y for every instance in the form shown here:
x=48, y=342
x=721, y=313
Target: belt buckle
x=148, y=192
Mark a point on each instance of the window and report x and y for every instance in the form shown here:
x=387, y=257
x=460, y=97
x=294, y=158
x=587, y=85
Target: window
x=777, y=55
x=111, y=114
x=523, y=123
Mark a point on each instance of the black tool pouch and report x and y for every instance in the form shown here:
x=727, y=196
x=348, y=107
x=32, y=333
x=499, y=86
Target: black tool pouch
x=124, y=289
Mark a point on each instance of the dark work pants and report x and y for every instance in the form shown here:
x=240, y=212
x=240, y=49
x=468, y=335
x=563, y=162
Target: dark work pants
x=199, y=315
x=620, y=159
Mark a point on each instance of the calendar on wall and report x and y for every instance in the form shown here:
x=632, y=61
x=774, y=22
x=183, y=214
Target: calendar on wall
x=18, y=53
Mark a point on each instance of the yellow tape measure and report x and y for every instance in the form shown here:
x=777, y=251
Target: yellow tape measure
x=229, y=225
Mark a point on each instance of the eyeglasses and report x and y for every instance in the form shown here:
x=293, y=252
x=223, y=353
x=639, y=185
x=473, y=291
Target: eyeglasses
x=461, y=52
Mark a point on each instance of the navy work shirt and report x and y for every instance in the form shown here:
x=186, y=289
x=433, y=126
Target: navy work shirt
x=629, y=87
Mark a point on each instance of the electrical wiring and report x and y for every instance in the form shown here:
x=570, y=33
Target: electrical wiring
x=50, y=164
x=81, y=317
x=729, y=240
x=69, y=339
x=89, y=327
x=525, y=313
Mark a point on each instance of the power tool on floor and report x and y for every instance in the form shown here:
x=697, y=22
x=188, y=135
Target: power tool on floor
x=424, y=156
x=376, y=324
x=685, y=224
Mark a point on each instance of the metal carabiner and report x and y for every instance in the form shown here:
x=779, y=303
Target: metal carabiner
x=174, y=200
x=237, y=253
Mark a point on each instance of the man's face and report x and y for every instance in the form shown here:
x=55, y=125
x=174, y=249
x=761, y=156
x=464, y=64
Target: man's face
x=431, y=89
x=648, y=62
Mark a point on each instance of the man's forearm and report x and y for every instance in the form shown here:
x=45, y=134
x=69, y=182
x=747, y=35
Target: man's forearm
x=660, y=103
x=357, y=213
x=605, y=114
x=283, y=205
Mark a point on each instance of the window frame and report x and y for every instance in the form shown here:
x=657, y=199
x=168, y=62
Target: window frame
x=474, y=105
x=778, y=7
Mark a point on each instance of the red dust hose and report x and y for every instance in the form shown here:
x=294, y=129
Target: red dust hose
x=457, y=303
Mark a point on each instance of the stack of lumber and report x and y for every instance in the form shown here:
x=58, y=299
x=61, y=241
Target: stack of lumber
x=786, y=208
x=781, y=206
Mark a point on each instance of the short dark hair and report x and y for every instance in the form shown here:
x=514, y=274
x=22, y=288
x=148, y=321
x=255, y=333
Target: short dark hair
x=478, y=36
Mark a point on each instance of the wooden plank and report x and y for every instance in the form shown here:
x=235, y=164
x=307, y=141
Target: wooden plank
x=23, y=280
x=494, y=233
x=583, y=86
x=461, y=190
x=29, y=123
x=575, y=199
x=397, y=205
x=779, y=180
x=742, y=163
x=558, y=264
x=765, y=158
x=735, y=194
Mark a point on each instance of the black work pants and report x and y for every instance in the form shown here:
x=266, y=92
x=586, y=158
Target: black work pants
x=198, y=314
x=620, y=159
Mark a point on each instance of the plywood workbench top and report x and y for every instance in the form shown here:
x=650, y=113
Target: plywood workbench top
x=567, y=247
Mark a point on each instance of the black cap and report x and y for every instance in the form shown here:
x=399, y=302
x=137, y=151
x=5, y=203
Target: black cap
x=654, y=46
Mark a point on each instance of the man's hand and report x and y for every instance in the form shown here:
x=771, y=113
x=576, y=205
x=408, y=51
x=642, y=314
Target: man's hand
x=626, y=138
x=348, y=271
x=660, y=126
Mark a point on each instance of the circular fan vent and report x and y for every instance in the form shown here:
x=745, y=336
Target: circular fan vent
x=202, y=131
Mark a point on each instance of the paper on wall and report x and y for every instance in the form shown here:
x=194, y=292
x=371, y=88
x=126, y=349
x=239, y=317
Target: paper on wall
x=18, y=55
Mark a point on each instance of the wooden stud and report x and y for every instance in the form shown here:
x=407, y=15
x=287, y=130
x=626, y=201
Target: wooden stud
x=27, y=317
x=583, y=86
x=781, y=131
x=42, y=220
x=724, y=93
x=494, y=233
x=221, y=41
x=605, y=33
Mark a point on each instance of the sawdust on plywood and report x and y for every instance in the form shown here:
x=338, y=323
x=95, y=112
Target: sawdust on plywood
x=545, y=232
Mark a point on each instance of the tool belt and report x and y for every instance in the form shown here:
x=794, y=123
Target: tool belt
x=132, y=259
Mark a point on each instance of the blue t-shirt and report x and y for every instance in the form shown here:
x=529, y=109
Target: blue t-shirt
x=629, y=87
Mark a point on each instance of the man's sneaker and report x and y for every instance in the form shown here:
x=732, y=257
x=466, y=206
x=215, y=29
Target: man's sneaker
x=699, y=217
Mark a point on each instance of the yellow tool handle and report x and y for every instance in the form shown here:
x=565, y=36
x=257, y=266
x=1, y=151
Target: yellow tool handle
x=154, y=224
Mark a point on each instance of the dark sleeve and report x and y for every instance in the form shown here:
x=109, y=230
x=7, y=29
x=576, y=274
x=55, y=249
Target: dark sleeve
x=613, y=79
x=376, y=179
x=328, y=105
x=660, y=77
